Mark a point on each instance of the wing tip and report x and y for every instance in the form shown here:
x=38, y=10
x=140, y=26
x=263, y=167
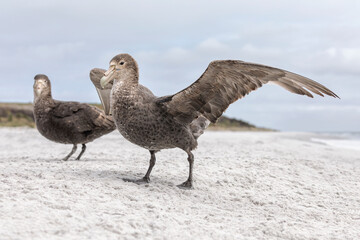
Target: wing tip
x=332, y=94
x=336, y=96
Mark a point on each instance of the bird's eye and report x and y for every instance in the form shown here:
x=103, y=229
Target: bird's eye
x=121, y=63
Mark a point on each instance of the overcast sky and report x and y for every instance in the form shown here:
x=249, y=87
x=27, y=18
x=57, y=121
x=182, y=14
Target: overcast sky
x=174, y=41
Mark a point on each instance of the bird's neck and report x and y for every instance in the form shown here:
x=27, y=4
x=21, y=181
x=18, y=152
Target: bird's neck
x=128, y=80
x=124, y=92
x=43, y=97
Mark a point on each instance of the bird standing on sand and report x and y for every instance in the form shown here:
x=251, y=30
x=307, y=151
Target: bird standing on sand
x=178, y=120
x=67, y=122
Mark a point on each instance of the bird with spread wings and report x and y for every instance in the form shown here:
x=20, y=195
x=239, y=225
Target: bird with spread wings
x=177, y=120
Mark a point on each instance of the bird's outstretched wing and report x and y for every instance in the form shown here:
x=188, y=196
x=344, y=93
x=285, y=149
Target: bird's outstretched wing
x=226, y=81
x=104, y=94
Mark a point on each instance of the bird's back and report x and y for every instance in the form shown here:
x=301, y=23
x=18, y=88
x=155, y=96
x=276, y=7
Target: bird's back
x=71, y=122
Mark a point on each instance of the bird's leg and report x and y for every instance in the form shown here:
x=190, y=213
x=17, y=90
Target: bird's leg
x=189, y=181
x=146, y=178
x=71, y=153
x=82, y=151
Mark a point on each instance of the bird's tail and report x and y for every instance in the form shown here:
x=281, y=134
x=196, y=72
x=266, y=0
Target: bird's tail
x=198, y=126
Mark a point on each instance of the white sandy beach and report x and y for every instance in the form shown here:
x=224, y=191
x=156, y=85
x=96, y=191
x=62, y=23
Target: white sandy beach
x=248, y=185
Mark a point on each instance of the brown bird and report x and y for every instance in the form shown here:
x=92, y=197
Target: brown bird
x=178, y=120
x=67, y=122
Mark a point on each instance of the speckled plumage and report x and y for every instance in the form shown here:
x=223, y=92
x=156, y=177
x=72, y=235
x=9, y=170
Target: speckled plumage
x=67, y=122
x=178, y=120
x=143, y=122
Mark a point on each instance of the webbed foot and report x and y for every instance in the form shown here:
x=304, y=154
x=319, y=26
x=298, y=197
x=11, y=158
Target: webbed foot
x=144, y=179
x=186, y=185
x=137, y=181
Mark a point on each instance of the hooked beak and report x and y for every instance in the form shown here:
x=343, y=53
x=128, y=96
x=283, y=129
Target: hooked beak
x=109, y=75
x=39, y=85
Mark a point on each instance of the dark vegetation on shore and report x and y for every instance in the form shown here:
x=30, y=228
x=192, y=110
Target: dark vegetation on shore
x=21, y=114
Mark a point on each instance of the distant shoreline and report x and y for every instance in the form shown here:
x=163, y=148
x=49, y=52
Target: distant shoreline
x=21, y=114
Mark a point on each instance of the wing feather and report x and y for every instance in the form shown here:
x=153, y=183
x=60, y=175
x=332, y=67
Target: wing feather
x=80, y=117
x=224, y=82
x=104, y=94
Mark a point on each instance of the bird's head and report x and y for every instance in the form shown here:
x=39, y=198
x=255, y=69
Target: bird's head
x=122, y=67
x=42, y=86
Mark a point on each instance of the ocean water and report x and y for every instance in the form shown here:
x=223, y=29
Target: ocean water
x=347, y=135
x=348, y=140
